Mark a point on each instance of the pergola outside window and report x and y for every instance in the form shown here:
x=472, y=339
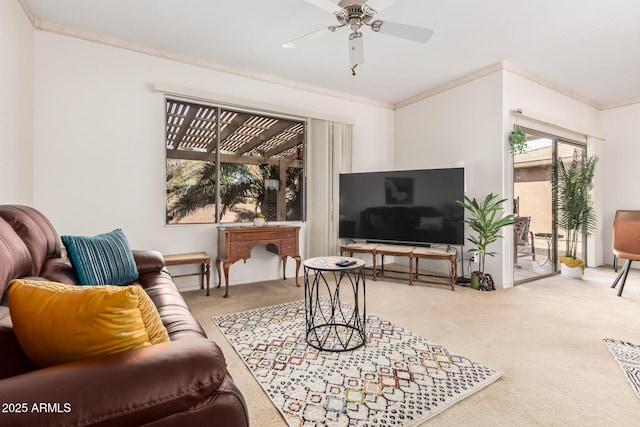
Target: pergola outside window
x=258, y=158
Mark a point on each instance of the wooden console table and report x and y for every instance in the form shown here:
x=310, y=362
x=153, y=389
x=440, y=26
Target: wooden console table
x=236, y=242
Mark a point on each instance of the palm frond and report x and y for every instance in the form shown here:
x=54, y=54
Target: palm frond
x=487, y=218
x=571, y=186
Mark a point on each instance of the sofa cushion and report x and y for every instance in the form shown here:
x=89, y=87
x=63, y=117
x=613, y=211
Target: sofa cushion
x=105, y=259
x=15, y=259
x=57, y=323
x=35, y=231
x=173, y=309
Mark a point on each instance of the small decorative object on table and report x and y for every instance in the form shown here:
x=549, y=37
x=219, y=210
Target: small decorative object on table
x=259, y=220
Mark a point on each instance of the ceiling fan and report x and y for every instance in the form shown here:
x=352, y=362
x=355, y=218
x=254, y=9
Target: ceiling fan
x=355, y=14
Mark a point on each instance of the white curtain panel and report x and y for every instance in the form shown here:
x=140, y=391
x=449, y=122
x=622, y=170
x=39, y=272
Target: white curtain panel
x=329, y=148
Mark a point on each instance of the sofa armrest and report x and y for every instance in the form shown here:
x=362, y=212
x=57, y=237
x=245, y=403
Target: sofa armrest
x=130, y=388
x=147, y=261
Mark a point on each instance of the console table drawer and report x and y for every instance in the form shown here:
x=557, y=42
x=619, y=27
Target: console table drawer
x=289, y=234
x=240, y=237
x=289, y=246
x=251, y=235
x=240, y=251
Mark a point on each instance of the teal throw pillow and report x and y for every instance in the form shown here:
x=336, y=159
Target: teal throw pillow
x=105, y=259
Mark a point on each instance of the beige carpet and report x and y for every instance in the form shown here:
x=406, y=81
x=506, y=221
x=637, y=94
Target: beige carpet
x=546, y=336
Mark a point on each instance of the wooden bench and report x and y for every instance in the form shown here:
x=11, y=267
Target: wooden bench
x=393, y=250
x=445, y=253
x=434, y=253
x=201, y=258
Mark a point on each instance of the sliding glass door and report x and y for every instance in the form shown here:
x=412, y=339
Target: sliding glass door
x=537, y=241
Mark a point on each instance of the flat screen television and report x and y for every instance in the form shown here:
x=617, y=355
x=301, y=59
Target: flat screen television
x=414, y=207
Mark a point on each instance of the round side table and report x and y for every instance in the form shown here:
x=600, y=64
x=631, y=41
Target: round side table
x=548, y=237
x=335, y=303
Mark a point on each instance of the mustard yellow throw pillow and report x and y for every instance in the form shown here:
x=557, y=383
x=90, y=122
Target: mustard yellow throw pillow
x=57, y=323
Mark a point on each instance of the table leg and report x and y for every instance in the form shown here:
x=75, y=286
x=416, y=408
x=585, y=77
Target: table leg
x=226, y=266
x=207, y=273
x=298, y=262
x=548, y=260
x=284, y=266
x=202, y=275
x=218, y=270
x=375, y=257
x=411, y=271
x=454, y=269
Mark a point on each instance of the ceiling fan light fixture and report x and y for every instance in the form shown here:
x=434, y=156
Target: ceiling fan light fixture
x=355, y=14
x=367, y=12
x=375, y=25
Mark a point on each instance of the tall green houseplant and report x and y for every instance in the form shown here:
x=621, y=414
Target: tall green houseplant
x=572, y=185
x=487, y=218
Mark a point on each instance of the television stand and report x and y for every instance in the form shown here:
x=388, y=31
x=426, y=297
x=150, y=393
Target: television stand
x=386, y=243
x=412, y=252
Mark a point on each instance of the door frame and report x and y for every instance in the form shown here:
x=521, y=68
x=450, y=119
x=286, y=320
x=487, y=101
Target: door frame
x=555, y=140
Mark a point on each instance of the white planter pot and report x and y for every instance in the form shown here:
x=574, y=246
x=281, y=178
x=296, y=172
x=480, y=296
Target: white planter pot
x=259, y=222
x=571, y=272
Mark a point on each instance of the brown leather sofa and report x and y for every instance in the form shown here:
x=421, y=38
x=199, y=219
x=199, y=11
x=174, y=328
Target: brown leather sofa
x=184, y=382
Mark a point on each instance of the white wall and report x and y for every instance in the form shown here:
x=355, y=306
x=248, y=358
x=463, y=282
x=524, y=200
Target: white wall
x=82, y=137
x=99, y=143
x=471, y=123
x=16, y=106
x=463, y=124
x=620, y=163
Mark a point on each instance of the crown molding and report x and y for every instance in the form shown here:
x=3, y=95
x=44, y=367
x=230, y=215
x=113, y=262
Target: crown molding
x=451, y=85
x=92, y=36
x=626, y=103
x=28, y=12
x=507, y=66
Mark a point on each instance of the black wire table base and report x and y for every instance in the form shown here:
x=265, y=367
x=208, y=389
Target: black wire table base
x=334, y=321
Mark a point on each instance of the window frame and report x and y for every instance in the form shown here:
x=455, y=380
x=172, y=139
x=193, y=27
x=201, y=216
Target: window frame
x=216, y=155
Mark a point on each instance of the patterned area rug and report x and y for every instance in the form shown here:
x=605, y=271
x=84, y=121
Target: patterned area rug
x=628, y=357
x=396, y=379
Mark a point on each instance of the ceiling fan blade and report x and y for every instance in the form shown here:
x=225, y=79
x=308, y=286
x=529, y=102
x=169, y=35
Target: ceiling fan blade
x=404, y=31
x=326, y=5
x=306, y=38
x=356, y=51
x=380, y=5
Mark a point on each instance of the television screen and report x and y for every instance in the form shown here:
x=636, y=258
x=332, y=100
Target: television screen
x=406, y=207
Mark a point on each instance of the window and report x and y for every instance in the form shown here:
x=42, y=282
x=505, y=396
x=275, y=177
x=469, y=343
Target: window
x=256, y=156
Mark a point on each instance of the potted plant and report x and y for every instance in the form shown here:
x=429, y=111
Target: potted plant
x=572, y=185
x=259, y=220
x=517, y=142
x=487, y=218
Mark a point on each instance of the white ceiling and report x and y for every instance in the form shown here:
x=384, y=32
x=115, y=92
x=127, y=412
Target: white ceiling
x=589, y=47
